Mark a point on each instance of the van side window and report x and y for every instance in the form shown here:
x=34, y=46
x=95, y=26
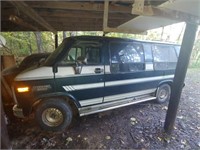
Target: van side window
x=74, y=53
x=164, y=57
x=86, y=52
x=93, y=55
x=126, y=57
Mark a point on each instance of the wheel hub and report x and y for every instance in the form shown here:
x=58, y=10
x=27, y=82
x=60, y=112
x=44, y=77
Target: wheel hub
x=163, y=94
x=52, y=117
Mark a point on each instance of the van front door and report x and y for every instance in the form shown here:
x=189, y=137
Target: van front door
x=84, y=73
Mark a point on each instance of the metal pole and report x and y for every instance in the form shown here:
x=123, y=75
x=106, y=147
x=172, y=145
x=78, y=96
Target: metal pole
x=181, y=69
x=56, y=40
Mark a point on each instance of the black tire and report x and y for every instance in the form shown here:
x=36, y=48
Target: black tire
x=163, y=93
x=54, y=115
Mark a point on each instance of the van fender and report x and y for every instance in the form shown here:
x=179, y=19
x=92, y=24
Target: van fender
x=170, y=81
x=57, y=94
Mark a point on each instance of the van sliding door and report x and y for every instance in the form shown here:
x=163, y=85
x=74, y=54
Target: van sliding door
x=127, y=77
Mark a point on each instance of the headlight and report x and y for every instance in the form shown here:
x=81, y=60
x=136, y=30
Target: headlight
x=23, y=89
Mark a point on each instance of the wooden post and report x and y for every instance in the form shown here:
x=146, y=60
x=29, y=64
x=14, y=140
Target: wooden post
x=8, y=61
x=105, y=14
x=5, y=142
x=181, y=69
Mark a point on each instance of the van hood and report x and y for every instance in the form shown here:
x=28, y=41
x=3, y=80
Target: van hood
x=43, y=72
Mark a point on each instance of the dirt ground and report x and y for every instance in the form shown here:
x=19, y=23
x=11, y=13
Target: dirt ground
x=134, y=127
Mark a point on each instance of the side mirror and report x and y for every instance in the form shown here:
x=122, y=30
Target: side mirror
x=79, y=64
x=55, y=68
x=78, y=69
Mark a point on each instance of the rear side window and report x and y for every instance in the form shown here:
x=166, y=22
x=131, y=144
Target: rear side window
x=165, y=57
x=126, y=57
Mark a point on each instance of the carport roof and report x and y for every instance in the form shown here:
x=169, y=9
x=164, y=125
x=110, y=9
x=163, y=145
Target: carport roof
x=88, y=15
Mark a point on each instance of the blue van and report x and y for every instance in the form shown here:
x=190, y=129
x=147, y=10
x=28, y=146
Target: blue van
x=91, y=74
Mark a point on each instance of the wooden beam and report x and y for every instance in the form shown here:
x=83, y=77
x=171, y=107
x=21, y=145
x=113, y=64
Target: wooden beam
x=81, y=14
x=82, y=20
x=99, y=24
x=21, y=22
x=9, y=26
x=138, y=6
x=105, y=14
x=87, y=6
x=70, y=14
x=123, y=31
x=63, y=26
x=107, y=29
x=5, y=84
x=169, y=14
x=24, y=8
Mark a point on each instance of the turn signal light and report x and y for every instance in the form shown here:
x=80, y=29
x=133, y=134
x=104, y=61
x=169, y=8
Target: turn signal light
x=23, y=89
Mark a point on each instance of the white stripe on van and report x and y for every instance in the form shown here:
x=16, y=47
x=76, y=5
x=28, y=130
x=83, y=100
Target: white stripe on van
x=115, y=97
x=63, y=72
x=128, y=95
x=66, y=88
x=91, y=101
x=88, y=86
x=71, y=88
x=131, y=81
x=114, y=83
x=83, y=86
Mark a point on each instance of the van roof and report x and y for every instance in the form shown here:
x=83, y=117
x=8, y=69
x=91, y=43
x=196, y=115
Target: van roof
x=121, y=39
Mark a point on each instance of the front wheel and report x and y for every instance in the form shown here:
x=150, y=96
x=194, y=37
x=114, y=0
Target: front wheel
x=163, y=93
x=53, y=115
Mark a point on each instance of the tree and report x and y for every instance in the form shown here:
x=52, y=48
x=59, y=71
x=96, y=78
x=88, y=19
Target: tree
x=38, y=37
x=196, y=50
x=29, y=43
x=64, y=34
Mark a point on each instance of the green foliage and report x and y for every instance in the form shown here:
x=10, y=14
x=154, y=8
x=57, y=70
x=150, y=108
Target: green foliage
x=195, y=57
x=48, y=41
x=195, y=65
x=22, y=44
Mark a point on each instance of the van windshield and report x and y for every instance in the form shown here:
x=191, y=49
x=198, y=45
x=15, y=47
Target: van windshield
x=59, y=52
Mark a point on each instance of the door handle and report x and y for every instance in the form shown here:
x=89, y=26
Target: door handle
x=98, y=70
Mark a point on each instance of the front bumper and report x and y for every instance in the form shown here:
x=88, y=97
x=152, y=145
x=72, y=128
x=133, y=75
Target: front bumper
x=18, y=112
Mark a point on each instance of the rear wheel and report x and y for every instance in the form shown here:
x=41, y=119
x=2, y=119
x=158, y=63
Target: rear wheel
x=163, y=93
x=54, y=115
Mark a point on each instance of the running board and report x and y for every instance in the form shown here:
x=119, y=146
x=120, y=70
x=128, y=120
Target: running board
x=113, y=105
